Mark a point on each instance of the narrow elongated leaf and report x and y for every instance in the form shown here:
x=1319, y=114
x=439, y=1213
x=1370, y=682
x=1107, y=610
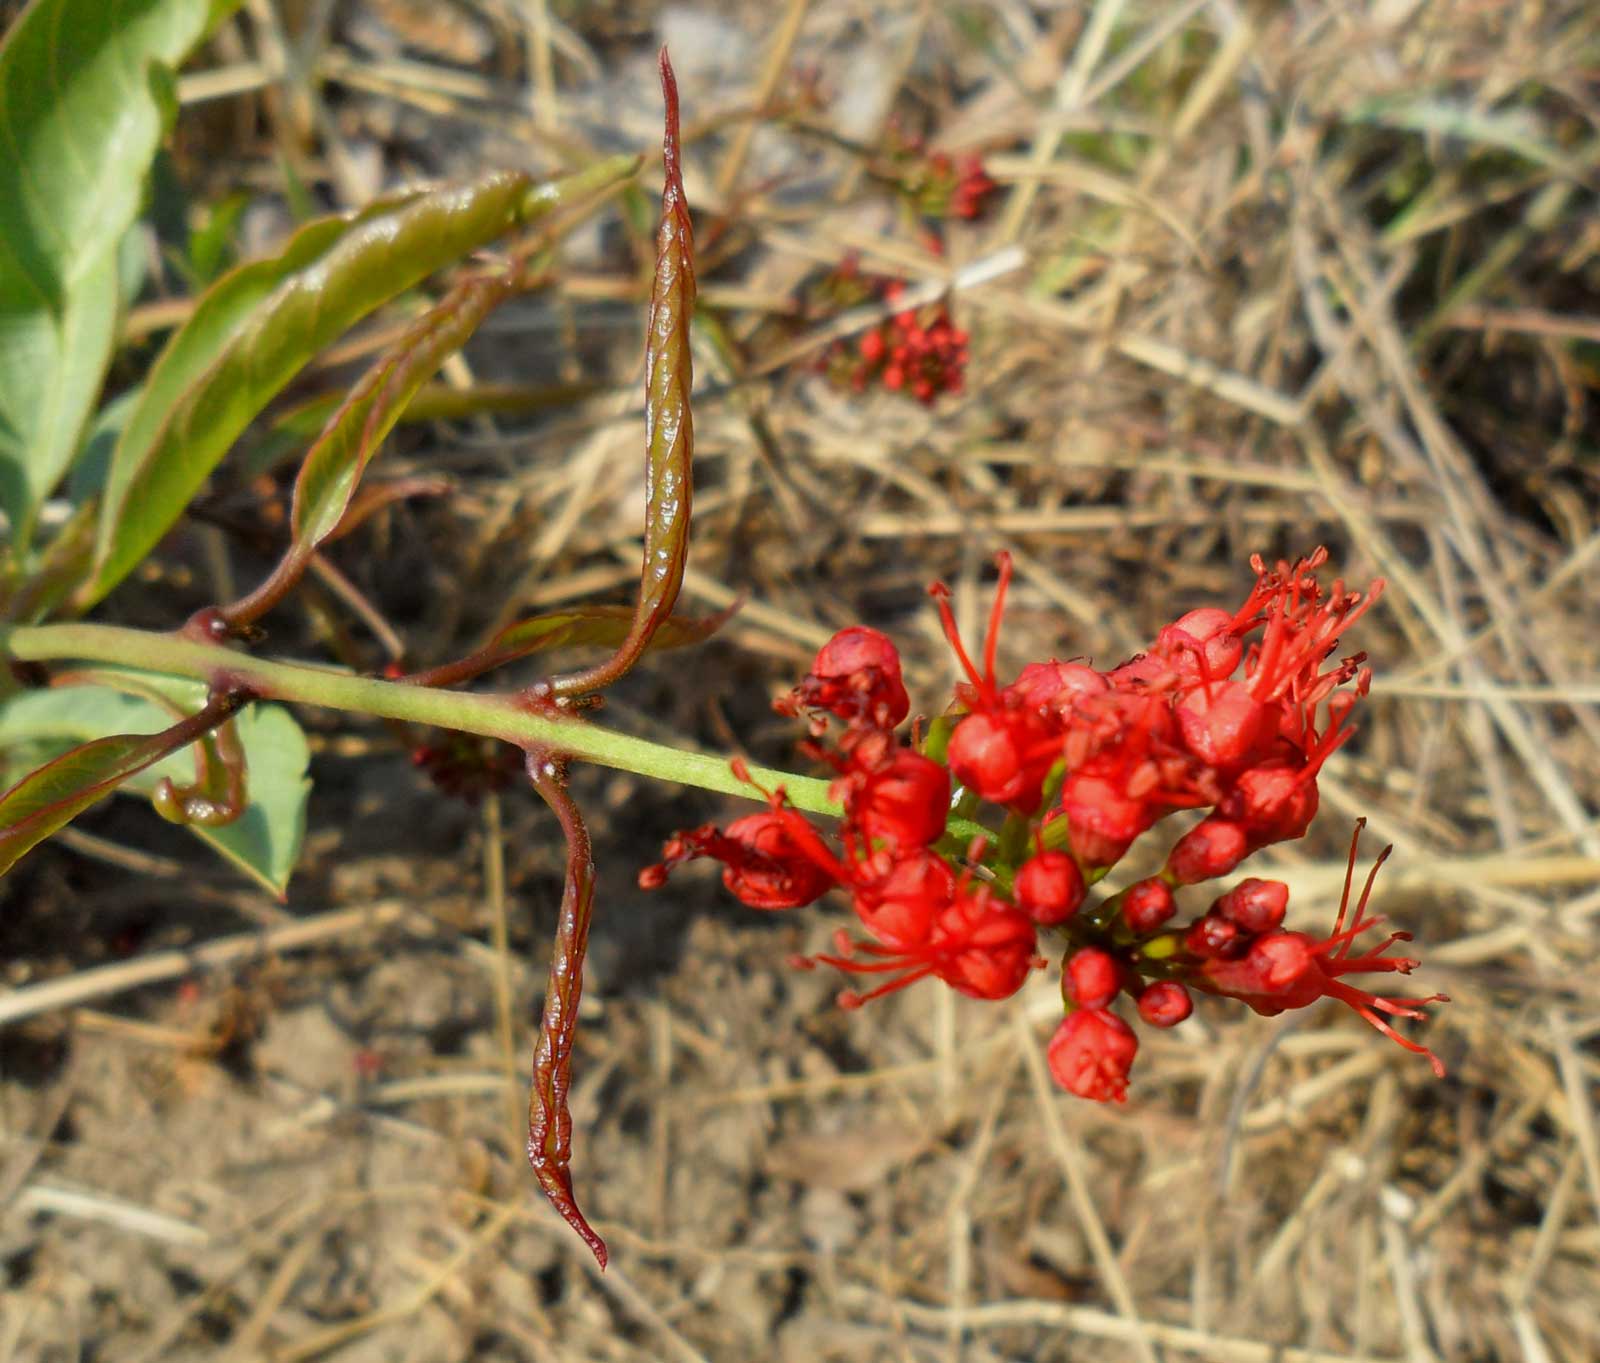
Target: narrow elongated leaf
x=221, y=311
x=549, y=1117
x=173, y=444
x=600, y=625
x=83, y=102
x=334, y=465
x=669, y=426
x=594, y=626
x=55, y=794
x=264, y=842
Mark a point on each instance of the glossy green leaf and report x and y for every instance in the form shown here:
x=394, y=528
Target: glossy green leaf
x=218, y=316
x=264, y=842
x=230, y=360
x=669, y=424
x=353, y=434
x=84, y=98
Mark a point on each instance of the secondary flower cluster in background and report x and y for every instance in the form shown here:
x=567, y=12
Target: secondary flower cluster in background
x=919, y=352
x=969, y=850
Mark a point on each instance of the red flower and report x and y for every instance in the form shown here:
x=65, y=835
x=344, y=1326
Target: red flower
x=1103, y=818
x=1055, y=685
x=1091, y=1053
x=901, y=798
x=1002, y=750
x=980, y=946
x=1202, y=644
x=901, y=908
x=856, y=677
x=767, y=866
x=1284, y=970
x=1224, y=725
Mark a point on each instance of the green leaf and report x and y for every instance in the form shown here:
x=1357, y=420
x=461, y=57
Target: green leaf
x=256, y=329
x=51, y=366
x=264, y=842
x=81, y=114
x=335, y=463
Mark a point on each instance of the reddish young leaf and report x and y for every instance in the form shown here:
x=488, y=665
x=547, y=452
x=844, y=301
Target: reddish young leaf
x=219, y=793
x=51, y=797
x=597, y=626
x=549, y=1119
x=669, y=427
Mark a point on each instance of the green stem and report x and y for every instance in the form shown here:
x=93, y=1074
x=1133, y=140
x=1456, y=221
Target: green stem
x=502, y=716
x=494, y=716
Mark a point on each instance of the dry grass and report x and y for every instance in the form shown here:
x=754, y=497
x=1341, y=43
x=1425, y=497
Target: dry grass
x=1264, y=277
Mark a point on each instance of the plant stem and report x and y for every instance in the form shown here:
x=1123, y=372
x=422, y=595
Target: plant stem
x=494, y=716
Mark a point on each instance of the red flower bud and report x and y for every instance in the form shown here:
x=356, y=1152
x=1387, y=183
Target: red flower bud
x=1091, y=979
x=985, y=756
x=1212, y=848
x=1213, y=937
x=1049, y=888
x=1165, y=1003
x=1091, y=1053
x=1255, y=905
x=1147, y=904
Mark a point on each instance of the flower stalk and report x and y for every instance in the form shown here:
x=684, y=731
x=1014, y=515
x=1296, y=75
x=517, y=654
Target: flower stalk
x=501, y=716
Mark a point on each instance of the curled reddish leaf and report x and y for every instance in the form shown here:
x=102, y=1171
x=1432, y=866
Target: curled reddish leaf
x=51, y=797
x=549, y=1118
x=669, y=427
x=597, y=626
x=376, y=496
x=219, y=794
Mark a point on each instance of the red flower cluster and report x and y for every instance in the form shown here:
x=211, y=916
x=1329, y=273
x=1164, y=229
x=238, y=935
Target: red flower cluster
x=936, y=184
x=468, y=767
x=1231, y=712
x=917, y=352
